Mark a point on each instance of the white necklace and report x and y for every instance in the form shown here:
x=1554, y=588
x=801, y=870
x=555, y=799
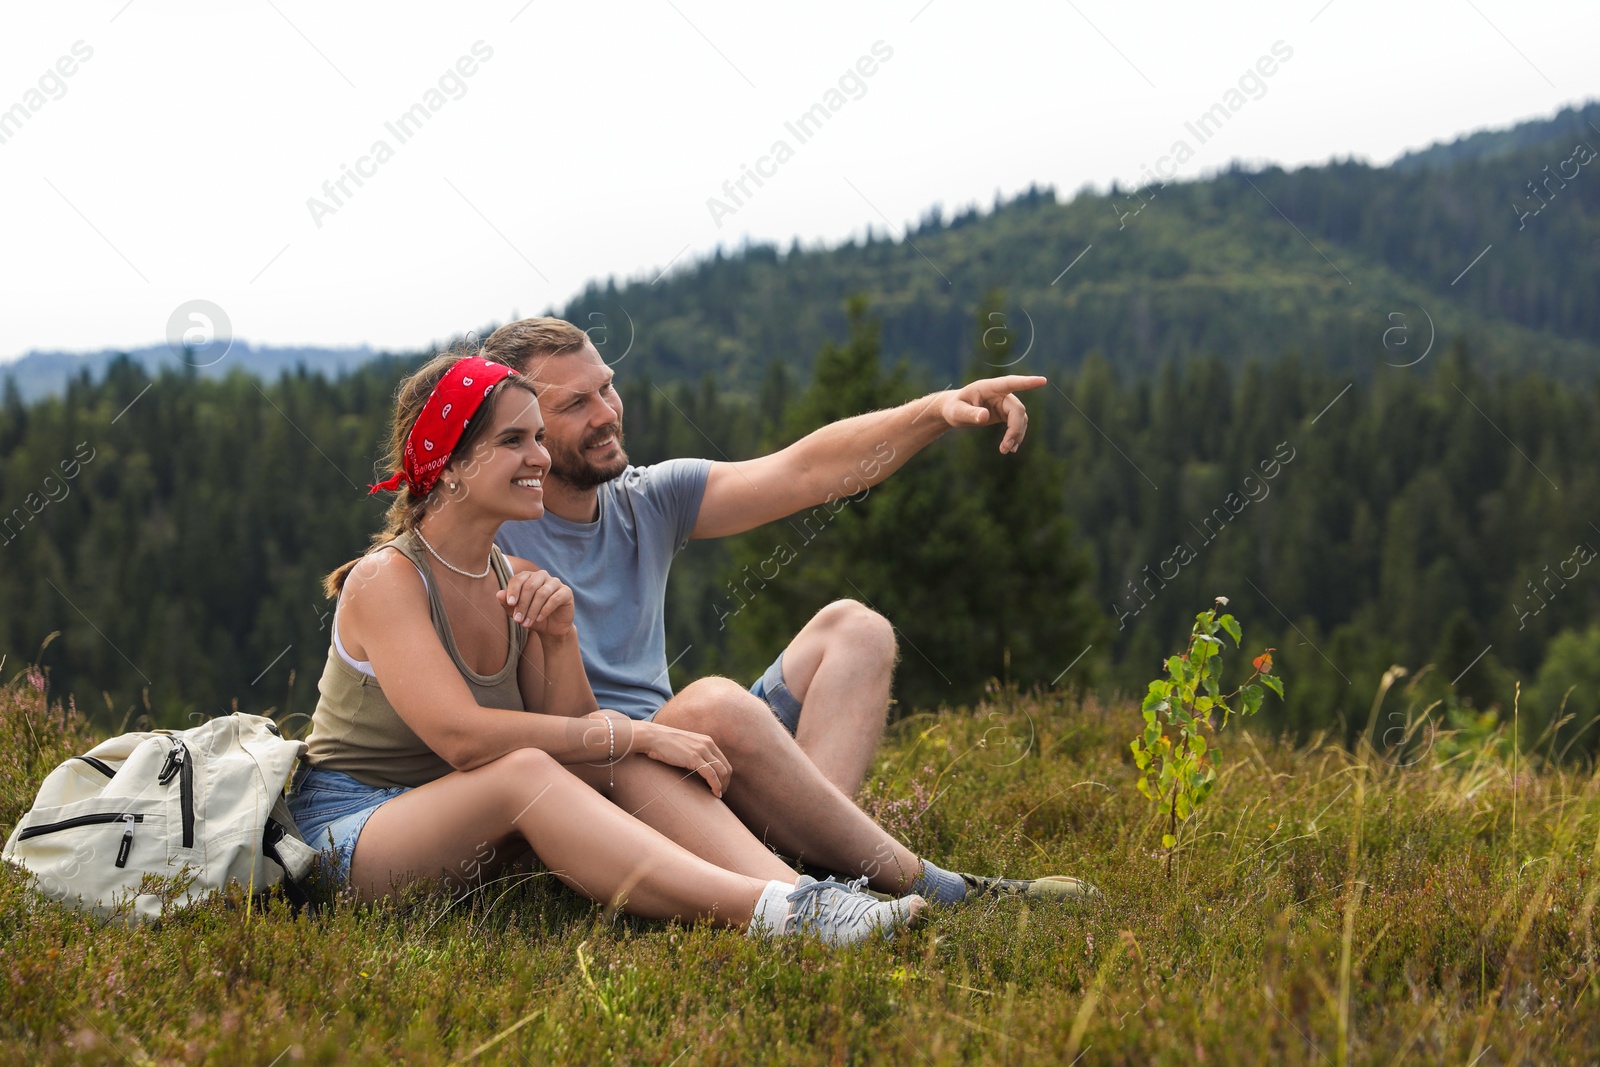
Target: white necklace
x=465, y=574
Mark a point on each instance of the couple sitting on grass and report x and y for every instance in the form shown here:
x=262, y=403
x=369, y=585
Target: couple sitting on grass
x=480, y=704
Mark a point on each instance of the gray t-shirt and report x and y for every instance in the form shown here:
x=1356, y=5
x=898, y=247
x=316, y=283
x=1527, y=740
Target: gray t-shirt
x=617, y=568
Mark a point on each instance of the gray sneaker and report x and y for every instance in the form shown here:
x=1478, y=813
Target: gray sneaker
x=841, y=914
x=1050, y=887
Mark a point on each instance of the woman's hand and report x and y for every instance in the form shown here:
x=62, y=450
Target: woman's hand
x=680, y=748
x=539, y=601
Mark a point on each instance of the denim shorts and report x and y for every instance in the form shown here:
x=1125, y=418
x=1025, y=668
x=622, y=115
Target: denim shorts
x=330, y=808
x=775, y=691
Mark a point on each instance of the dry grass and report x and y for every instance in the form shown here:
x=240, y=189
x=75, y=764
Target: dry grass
x=1324, y=909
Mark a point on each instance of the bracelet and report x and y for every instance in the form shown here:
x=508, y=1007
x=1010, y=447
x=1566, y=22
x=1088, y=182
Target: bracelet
x=611, y=751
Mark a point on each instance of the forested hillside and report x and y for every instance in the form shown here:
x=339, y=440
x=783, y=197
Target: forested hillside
x=1430, y=515
x=1245, y=265
x=1300, y=390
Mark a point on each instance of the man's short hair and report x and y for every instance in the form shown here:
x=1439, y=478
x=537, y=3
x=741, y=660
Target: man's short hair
x=515, y=343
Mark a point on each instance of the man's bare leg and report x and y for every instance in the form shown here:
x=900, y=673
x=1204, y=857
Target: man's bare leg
x=840, y=667
x=781, y=795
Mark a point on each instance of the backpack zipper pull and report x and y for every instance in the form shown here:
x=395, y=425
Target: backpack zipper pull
x=173, y=764
x=127, y=839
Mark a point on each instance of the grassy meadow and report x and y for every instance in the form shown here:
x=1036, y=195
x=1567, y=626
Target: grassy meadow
x=1325, y=908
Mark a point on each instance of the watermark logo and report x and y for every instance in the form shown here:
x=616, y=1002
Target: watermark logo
x=52, y=489
x=852, y=85
x=1252, y=490
x=853, y=490
x=1541, y=193
x=199, y=333
x=451, y=85
x=1397, y=340
x=50, y=86
x=996, y=339
x=611, y=332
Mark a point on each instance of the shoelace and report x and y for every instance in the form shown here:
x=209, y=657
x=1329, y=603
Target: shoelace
x=996, y=886
x=807, y=902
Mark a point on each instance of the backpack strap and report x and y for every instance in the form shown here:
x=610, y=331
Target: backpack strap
x=282, y=843
x=271, y=837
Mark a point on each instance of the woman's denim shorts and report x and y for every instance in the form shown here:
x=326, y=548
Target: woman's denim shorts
x=330, y=808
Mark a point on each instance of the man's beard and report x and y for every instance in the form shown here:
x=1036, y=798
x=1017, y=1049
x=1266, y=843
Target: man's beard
x=578, y=470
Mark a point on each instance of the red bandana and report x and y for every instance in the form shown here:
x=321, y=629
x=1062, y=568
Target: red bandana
x=450, y=407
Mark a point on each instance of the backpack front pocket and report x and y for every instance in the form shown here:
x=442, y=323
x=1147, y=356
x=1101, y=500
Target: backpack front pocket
x=128, y=818
x=93, y=849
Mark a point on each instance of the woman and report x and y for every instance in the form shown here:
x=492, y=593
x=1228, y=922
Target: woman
x=448, y=734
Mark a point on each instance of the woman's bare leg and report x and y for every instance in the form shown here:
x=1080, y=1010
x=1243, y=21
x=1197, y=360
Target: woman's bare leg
x=679, y=805
x=585, y=840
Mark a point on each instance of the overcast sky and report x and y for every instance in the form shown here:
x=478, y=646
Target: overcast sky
x=178, y=159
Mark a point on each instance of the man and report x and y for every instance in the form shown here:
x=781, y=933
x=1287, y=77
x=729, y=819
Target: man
x=803, y=736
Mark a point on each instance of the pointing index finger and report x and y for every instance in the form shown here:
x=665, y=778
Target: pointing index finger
x=1014, y=383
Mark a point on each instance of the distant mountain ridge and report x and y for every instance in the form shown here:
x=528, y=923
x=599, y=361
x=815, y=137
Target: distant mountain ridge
x=40, y=374
x=1489, y=240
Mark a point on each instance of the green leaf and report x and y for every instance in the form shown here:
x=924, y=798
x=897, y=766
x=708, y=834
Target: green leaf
x=1251, y=696
x=1167, y=840
x=1230, y=624
x=1144, y=787
x=1274, y=683
x=1197, y=745
x=1185, y=806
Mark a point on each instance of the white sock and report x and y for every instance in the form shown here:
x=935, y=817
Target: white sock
x=771, y=916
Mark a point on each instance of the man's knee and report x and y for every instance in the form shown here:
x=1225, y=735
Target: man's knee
x=850, y=624
x=720, y=708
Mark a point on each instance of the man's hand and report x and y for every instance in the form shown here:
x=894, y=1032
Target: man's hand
x=984, y=401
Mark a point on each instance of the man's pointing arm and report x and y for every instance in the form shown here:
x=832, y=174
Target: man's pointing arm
x=847, y=456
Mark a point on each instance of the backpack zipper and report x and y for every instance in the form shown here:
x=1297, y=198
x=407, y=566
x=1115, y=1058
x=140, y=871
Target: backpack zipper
x=102, y=767
x=177, y=763
x=130, y=817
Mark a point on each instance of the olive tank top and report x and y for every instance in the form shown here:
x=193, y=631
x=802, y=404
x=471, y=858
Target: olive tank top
x=357, y=731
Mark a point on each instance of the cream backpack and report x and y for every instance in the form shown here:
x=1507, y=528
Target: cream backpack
x=205, y=804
